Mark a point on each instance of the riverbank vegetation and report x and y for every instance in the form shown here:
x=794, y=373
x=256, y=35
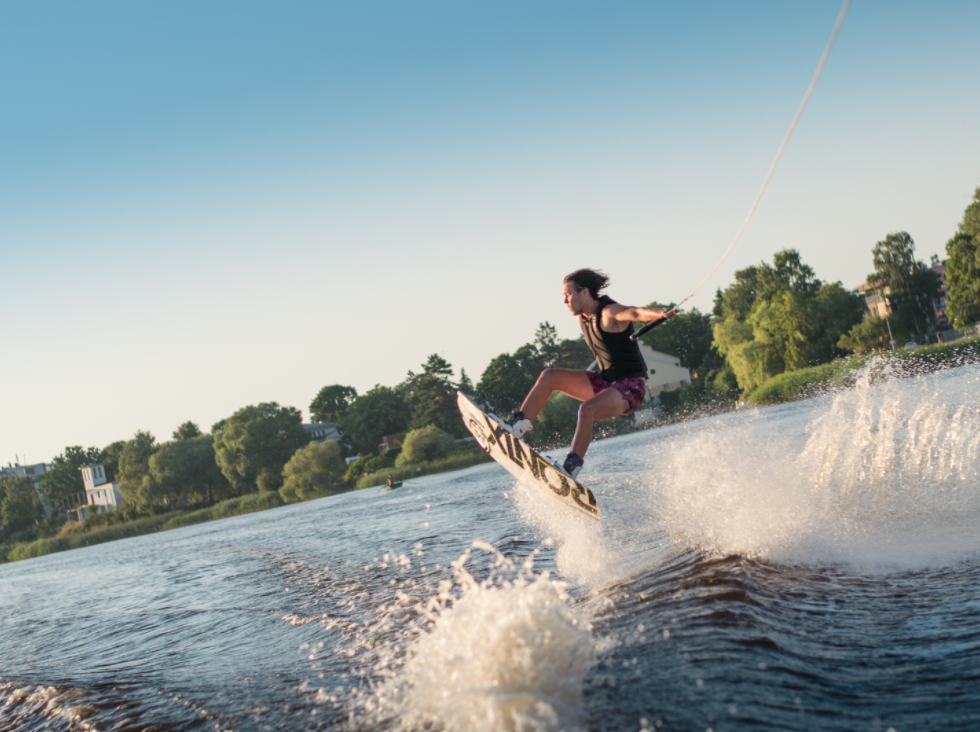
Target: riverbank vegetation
x=777, y=333
x=817, y=380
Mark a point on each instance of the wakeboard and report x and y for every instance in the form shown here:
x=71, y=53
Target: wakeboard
x=523, y=461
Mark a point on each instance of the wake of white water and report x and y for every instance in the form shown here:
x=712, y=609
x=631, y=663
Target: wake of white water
x=883, y=474
x=503, y=653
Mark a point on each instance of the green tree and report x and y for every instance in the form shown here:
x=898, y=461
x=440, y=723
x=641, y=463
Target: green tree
x=332, y=402
x=556, y=423
x=912, y=286
x=780, y=317
x=509, y=377
x=372, y=463
x=184, y=467
x=187, y=431
x=425, y=444
x=503, y=385
x=64, y=475
x=963, y=268
x=787, y=272
x=432, y=396
x=134, y=460
x=870, y=334
x=312, y=471
x=547, y=344
x=574, y=354
x=20, y=507
x=381, y=411
x=110, y=459
x=439, y=367
x=837, y=311
x=464, y=385
x=255, y=443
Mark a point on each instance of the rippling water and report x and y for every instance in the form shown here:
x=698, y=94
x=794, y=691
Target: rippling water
x=814, y=566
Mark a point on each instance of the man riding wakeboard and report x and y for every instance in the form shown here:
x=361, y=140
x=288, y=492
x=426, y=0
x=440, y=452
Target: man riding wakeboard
x=618, y=388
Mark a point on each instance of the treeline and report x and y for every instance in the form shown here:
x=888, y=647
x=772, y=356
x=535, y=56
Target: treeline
x=264, y=448
x=777, y=318
x=774, y=318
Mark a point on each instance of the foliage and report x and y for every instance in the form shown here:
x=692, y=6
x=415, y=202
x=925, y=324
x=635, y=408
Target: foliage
x=225, y=509
x=912, y=286
x=332, y=402
x=64, y=475
x=255, y=443
x=556, y=423
x=763, y=282
x=433, y=397
x=182, y=468
x=134, y=460
x=20, y=507
x=381, y=411
x=75, y=541
x=425, y=444
x=311, y=471
x=871, y=334
x=187, y=431
x=464, y=385
x=506, y=381
x=372, y=463
x=817, y=380
x=509, y=377
x=79, y=537
x=699, y=398
x=723, y=380
x=461, y=458
x=963, y=268
x=110, y=459
x=781, y=318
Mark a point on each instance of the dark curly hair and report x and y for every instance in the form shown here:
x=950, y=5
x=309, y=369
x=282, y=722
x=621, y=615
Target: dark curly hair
x=592, y=280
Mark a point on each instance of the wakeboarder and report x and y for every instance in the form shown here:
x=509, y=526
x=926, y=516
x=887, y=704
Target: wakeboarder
x=618, y=388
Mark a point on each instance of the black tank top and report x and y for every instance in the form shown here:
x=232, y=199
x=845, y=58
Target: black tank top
x=618, y=356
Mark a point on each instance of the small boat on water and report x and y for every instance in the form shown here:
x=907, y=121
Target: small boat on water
x=392, y=486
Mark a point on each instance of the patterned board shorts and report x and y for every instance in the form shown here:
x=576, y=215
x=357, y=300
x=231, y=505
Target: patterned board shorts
x=634, y=390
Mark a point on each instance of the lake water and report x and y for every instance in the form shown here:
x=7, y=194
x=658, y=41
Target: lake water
x=814, y=566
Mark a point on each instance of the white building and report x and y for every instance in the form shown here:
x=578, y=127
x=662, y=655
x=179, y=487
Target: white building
x=320, y=431
x=99, y=493
x=665, y=372
x=23, y=471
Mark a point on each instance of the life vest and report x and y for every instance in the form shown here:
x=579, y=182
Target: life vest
x=618, y=356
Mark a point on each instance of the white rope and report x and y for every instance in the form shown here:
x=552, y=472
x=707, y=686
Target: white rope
x=779, y=153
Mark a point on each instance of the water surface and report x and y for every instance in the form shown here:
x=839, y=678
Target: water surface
x=813, y=566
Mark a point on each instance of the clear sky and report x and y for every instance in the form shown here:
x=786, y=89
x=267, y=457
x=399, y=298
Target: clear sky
x=210, y=205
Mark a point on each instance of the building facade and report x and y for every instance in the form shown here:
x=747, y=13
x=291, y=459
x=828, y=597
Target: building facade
x=875, y=298
x=24, y=471
x=665, y=372
x=100, y=494
x=320, y=431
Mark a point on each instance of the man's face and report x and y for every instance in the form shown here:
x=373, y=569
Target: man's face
x=575, y=301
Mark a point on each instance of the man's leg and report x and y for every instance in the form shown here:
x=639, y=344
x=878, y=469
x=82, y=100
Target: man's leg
x=572, y=382
x=607, y=404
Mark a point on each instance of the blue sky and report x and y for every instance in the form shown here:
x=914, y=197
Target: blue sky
x=209, y=205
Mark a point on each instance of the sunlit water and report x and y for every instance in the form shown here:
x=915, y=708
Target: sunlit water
x=814, y=566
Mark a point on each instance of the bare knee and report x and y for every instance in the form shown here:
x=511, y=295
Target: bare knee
x=587, y=410
x=549, y=376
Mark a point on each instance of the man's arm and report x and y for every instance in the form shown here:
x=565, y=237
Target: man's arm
x=616, y=318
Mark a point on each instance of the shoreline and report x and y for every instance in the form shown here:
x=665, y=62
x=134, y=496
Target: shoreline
x=789, y=386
